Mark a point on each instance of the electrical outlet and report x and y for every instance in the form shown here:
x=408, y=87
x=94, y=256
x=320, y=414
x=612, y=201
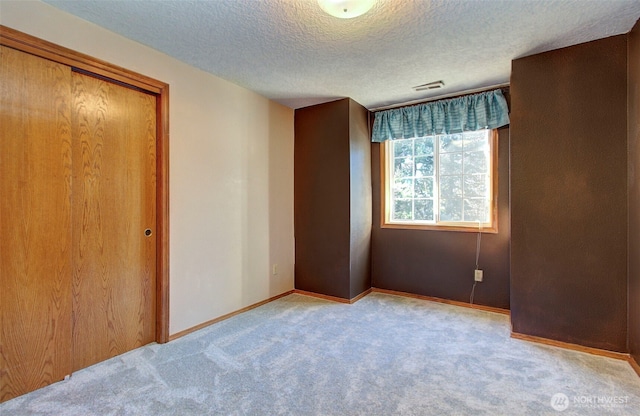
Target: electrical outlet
x=274, y=269
x=477, y=275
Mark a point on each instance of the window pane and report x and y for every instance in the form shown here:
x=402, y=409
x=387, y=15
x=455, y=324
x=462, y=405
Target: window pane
x=403, y=167
x=424, y=210
x=476, y=209
x=476, y=141
x=476, y=162
x=475, y=186
x=423, y=188
x=451, y=187
x=424, y=166
x=402, y=148
x=401, y=210
x=443, y=178
x=451, y=143
x=424, y=146
x=403, y=189
x=450, y=163
x=451, y=210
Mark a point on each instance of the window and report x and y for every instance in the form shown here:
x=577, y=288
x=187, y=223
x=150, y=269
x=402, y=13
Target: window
x=441, y=182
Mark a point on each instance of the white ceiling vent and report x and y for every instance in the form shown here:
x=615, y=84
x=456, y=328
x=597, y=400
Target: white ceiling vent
x=430, y=86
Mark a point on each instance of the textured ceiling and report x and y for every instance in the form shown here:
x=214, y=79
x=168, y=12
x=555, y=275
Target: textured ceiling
x=292, y=52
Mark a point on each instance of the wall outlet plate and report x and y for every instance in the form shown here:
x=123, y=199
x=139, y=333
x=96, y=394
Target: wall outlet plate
x=477, y=275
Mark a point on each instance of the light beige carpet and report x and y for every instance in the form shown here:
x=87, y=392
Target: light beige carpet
x=383, y=355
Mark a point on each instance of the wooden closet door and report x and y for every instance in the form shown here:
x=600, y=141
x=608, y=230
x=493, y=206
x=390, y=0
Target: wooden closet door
x=35, y=222
x=114, y=202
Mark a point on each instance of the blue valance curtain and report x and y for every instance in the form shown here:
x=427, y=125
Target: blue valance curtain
x=486, y=110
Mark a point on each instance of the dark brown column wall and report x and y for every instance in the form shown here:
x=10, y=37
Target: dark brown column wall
x=332, y=202
x=569, y=194
x=441, y=263
x=321, y=199
x=360, y=208
x=634, y=190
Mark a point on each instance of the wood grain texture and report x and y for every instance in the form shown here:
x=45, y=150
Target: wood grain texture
x=320, y=296
x=57, y=53
x=35, y=229
x=227, y=316
x=13, y=383
x=114, y=201
x=445, y=301
x=39, y=47
x=570, y=346
x=634, y=364
x=162, y=215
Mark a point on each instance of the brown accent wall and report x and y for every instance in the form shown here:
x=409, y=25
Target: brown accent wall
x=441, y=263
x=569, y=194
x=332, y=202
x=633, y=124
x=360, y=192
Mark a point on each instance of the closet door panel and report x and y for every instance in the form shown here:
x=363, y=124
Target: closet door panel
x=35, y=222
x=114, y=202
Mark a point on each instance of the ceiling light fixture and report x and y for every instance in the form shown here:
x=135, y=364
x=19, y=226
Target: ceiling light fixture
x=346, y=9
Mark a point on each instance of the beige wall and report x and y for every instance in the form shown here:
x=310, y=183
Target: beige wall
x=231, y=172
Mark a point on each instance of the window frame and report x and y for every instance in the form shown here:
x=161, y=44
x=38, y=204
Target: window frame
x=385, y=196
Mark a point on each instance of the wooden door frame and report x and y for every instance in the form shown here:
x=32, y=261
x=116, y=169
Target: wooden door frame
x=44, y=49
